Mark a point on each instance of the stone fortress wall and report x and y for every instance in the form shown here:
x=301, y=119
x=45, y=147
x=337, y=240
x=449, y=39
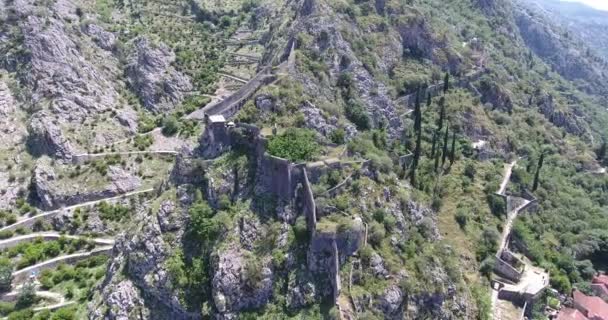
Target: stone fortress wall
x=290, y=182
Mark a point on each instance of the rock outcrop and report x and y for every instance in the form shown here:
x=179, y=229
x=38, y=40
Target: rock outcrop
x=47, y=138
x=52, y=193
x=339, y=56
x=12, y=131
x=105, y=40
x=558, y=50
x=158, y=85
x=233, y=288
x=419, y=42
x=68, y=80
x=495, y=95
x=137, y=271
x=568, y=121
x=315, y=120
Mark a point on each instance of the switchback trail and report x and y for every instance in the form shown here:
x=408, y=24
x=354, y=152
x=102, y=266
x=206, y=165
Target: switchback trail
x=28, y=222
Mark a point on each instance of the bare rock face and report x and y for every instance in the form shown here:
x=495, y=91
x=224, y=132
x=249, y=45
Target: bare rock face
x=47, y=138
x=418, y=41
x=124, y=301
x=137, y=271
x=58, y=69
x=105, y=40
x=159, y=86
x=69, y=81
x=232, y=291
x=302, y=292
x=338, y=54
x=12, y=132
x=128, y=118
x=494, y=94
x=53, y=194
x=551, y=46
x=562, y=119
x=391, y=303
x=315, y=120
x=424, y=218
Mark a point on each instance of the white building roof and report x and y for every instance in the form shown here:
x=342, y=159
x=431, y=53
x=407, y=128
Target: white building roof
x=217, y=118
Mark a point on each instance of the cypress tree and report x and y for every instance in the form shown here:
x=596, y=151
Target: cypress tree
x=537, y=175
x=441, y=114
x=445, y=145
x=601, y=152
x=453, y=151
x=434, y=143
x=446, y=83
x=418, y=129
x=437, y=155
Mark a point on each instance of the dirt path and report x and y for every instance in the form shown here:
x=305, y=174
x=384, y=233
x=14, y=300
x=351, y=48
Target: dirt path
x=126, y=153
x=233, y=77
x=57, y=299
x=28, y=222
x=20, y=276
x=507, y=177
x=49, y=236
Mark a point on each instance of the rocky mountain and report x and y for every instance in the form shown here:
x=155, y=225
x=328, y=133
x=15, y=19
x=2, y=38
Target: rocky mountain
x=299, y=159
x=585, y=22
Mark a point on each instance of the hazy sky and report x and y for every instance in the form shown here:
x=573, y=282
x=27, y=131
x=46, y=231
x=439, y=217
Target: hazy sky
x=598, y=4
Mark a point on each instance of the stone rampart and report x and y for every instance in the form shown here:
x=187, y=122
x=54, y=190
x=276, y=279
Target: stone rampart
x=506, y=270
x=309, y=207
x=232, y=104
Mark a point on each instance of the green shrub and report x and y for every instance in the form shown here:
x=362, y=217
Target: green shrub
x=26, y=296
x=142, y=142
x=462, y=218
x=338, y=136
x=5, y=234
x=46, y=279
x=68, y=313
x=294, y=145
x=356, y=113
x=300, y=230
x=25, y=314
x=376, y=234
x=497, y=204
x=170, y=126
x=6, y=274
x=6, y=308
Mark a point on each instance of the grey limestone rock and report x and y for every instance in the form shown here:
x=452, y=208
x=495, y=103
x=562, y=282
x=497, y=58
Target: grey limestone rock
x=377, y=265
x=124, y=302
x=391, y=303
x=105, y=40
x=167, y=218
x=155, y=81
x=47, y=138
x=231, y=291
x=315, y=120
x=52, y=193
x=265, y=103
x=562, y=119
x=128, y=119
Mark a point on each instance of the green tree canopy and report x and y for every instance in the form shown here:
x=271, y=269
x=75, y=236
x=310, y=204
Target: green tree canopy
x=295, y=145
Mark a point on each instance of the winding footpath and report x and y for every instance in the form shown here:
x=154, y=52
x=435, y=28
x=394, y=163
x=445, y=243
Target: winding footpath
x=28, y=222
x=507, y=177
x=20, y=276
x=49, y=236
x=511, y=215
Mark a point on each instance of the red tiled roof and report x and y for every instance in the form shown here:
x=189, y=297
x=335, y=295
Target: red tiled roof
x=570, y=314
x=602, y=278
x=592, y=307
